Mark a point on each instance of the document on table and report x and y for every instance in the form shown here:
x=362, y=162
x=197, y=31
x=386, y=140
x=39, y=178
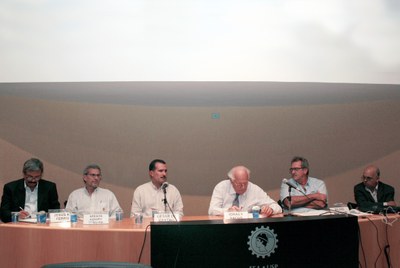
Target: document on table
x=312, y=212
x=30, y=220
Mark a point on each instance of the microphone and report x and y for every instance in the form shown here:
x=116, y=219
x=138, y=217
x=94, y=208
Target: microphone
x=164, y=186
x=288, y=183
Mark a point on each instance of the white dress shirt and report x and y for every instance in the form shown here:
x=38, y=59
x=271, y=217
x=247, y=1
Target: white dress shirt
x=101, y=200
x=147, y=198
x=224, y=194
x=31, y=199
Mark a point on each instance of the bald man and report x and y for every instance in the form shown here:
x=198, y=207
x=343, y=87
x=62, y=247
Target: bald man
x=237, y=193
x=371, y=193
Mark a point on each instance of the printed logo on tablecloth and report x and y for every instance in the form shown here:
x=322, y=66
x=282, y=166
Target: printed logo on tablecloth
x=262, y=242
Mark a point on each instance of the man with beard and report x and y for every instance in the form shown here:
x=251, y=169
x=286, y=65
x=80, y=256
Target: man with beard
x=30, y=194
x=92, y=198
x=149, y=197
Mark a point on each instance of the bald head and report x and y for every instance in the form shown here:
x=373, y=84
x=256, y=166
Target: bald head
x=371, y=169
x=370, y=176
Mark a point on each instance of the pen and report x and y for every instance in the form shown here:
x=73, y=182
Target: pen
x=27, y=216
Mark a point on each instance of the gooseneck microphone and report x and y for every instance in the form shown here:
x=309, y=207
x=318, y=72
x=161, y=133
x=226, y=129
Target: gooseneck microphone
x=288, y=183
x=164, y=186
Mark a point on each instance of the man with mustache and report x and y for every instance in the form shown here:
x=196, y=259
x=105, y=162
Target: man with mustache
x=311, y=193
x=148, y=198
x=30, y=194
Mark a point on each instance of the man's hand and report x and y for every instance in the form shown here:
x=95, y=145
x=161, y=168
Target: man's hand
x=266, y=211
x=235, y=208
x=23, y=214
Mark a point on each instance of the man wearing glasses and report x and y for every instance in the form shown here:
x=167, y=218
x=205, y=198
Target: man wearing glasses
x=30, y=194
x=372, y=194
x=237, y=193
x=91, y=198
x=307, y=192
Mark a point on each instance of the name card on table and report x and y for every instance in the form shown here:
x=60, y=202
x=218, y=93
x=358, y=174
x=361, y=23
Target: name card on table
x=165, y=216
x=232, y=215
x=95, y=218
x=58, y=217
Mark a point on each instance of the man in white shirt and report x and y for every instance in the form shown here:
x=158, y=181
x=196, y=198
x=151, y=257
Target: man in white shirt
x=150, y=197
x=92, y=198
x=237, y=193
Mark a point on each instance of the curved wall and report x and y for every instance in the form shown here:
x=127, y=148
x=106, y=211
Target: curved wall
x=338, y=140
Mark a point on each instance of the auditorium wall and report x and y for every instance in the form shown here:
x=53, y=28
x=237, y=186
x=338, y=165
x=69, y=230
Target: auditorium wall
x=199, y=143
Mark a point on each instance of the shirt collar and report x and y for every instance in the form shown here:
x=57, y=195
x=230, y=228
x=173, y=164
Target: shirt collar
x=86, y=191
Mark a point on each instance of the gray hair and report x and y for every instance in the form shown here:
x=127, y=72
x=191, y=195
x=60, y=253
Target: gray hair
x=230, y=173
x=91, y=166
x=32, y=164
x=304, y=162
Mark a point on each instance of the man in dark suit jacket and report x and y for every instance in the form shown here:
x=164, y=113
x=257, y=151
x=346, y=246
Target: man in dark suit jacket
x=372, y=194
x=14, y=193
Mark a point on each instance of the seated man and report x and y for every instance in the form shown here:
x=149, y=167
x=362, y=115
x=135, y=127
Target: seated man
x=237, y=193
x=371, y=194
x=30, y=194
x=307, y=193
x=149, y=197
x=92, y=198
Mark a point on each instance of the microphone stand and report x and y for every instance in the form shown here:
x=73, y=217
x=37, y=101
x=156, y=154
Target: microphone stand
x=166, y=204
x=165, y=199
x=289, y=214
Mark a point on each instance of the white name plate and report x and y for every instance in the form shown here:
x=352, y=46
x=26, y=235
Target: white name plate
x=232, y=215
x=60, y=217
x=164, y=216
x=95, y=218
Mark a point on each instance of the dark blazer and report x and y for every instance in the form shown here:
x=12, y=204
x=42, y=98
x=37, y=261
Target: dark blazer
x=366, y=202
x=14, y=197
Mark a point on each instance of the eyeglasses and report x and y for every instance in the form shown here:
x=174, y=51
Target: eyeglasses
x=240, y=184
x=31, y=178
x=294, y=169
x=94, y=175
x=366, y=178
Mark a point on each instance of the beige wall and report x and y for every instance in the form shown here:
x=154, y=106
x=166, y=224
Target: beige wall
x=338, y=140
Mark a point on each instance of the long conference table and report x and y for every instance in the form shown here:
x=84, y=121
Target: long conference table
x=34, y=245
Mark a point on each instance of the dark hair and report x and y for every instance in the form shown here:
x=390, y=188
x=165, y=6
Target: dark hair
x=91, y=166
x=32, y=164
x=378, y=172
x=304, y=162
x=153, y=163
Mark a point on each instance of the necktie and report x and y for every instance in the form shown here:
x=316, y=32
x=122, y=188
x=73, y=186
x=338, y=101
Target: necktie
x=236, y=201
